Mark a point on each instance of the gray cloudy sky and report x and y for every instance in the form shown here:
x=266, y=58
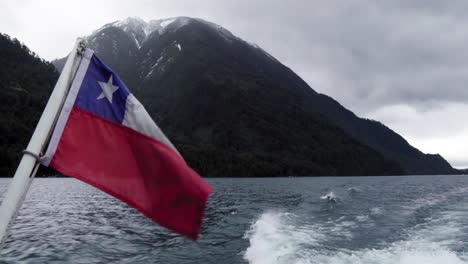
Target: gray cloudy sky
x=402, y=62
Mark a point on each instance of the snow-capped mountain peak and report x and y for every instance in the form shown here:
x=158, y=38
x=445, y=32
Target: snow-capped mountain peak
x=140, y=30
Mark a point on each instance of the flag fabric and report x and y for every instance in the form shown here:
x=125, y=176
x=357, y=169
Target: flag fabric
x=105, y=137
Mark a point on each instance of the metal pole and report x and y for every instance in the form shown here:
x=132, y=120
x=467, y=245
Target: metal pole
x=29, y=163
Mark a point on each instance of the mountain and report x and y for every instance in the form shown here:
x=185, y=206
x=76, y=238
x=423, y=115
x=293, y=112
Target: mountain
x=383, y=139
x=233, y=109
x=25, y=84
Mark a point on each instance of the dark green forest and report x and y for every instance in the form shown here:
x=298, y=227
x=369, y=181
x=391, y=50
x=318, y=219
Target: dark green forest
x=25, y=84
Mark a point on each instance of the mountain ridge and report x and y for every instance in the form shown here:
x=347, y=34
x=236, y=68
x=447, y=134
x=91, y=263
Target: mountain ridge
x=144, y=63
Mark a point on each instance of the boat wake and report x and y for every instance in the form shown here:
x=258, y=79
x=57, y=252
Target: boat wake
x=280, y=237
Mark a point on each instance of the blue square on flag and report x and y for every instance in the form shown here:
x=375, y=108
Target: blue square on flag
x=102, y=92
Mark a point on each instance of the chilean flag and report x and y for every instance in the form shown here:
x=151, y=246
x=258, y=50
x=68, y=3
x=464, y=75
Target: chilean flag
x=105, y=137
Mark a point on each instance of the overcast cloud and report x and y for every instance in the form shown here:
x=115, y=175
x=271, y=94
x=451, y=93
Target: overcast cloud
x=404, y=63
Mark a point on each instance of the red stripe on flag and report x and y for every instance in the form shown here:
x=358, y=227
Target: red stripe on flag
x=137, y=169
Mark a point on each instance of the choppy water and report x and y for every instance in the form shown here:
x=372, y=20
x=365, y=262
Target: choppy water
x=279, y=220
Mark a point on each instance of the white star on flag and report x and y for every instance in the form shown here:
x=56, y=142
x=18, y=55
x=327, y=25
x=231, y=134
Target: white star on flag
x=107, y=89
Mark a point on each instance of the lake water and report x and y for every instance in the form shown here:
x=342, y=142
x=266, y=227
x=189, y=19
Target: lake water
x=271, y=220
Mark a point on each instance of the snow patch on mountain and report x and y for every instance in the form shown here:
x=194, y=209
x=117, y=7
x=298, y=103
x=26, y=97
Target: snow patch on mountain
x=130, y=22
x=135, y=39
x=156, y=66
x=178, y=46
x=139, y=30
x=166, y=22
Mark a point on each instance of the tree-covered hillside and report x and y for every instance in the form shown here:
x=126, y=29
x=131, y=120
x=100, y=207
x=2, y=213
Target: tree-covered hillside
x=229, y=107
x=25, y=84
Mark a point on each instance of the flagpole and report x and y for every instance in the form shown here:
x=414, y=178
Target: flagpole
x=29, y=163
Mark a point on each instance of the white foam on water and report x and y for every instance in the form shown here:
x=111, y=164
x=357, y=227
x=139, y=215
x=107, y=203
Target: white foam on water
x=354, y=189
x=278, y=237
x=328, y=196
x=398, y=253
x=362, y=218
x=376, y=211
x=275, y=239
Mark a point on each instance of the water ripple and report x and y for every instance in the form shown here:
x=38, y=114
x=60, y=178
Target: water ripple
x=276, y=220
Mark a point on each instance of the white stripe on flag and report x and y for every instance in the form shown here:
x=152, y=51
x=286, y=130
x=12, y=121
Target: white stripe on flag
x=138, y=119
